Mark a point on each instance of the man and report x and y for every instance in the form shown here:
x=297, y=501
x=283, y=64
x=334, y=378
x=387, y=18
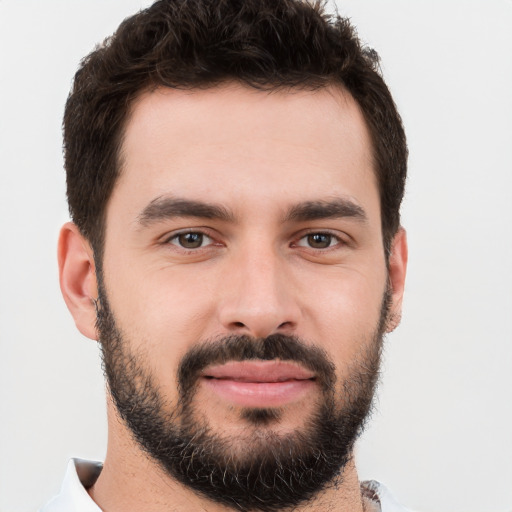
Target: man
x=235, y=172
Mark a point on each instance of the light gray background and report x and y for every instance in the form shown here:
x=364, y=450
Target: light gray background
x=442, y=436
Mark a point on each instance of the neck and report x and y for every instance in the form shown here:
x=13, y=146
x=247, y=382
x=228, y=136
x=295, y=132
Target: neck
x=132, y=481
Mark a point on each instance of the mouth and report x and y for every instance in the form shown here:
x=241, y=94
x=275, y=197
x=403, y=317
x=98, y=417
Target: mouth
x=259, y=384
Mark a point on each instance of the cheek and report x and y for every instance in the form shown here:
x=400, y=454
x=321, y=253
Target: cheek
x=346, y=313
x=161, y=314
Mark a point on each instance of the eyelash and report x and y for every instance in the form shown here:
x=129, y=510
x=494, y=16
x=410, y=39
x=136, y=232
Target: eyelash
x=176, y=236
x=174, y=240
x=339, y=242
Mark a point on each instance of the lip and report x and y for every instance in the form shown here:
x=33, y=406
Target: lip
x=259, y=383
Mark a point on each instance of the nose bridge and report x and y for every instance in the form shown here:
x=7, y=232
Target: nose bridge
x=258, y=299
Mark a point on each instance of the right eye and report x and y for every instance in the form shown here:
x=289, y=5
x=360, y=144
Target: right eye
x=191, y=240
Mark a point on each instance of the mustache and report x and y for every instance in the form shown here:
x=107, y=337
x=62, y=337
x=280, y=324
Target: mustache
x=246, y=348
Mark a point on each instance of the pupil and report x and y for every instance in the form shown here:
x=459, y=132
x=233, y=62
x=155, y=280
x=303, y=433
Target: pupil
x=191, y=240
x=319, y=240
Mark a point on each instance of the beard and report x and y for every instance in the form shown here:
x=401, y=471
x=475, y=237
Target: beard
x=264, y=470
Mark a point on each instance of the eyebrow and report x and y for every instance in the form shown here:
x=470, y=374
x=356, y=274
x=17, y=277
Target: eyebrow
x=332, y=209
x=163, y=208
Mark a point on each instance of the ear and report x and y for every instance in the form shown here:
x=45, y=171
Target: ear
x=77, y=275
x=397, y=270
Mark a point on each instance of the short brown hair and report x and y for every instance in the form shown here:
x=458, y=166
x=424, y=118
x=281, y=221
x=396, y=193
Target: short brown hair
x=186, y=44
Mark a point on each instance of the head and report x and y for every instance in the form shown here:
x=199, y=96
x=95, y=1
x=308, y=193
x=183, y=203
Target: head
x=235, y=172
x=190, y=45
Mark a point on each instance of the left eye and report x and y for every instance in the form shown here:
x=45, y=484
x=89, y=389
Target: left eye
x=318, y=241
x=191, y=240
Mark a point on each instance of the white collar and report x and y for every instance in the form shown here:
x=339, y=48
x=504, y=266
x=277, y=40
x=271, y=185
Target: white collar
x=380, y=493
x=73, y=496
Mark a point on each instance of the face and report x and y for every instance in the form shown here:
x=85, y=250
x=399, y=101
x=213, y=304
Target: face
x=245, y=290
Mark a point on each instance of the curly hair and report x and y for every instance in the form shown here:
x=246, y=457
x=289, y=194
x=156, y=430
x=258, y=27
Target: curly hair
x=187, y=44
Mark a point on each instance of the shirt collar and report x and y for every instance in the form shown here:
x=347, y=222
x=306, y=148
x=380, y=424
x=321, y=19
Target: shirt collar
x=73, y=496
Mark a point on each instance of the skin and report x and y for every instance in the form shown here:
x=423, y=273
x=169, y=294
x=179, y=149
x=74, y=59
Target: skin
x=257, y=155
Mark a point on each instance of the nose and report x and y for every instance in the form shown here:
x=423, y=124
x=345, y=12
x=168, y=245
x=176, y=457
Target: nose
x=257, y=296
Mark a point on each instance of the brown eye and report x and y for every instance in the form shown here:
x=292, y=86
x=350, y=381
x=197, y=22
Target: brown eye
x=190, y=240
x=319, y=240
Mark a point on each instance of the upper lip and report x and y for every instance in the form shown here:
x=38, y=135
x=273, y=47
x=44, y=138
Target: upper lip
x=258, y=371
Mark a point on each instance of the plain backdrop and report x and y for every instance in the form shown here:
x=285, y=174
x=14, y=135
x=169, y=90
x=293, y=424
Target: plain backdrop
x=441, y=437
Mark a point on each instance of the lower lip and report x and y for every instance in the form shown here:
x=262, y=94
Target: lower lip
x=259, y=394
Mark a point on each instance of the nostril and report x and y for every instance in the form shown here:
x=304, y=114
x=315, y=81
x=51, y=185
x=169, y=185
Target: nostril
x=258, y=324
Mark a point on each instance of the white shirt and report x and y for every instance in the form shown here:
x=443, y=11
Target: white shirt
x=81, y=474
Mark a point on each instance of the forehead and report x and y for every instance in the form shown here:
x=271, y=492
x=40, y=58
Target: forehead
x=232, y=141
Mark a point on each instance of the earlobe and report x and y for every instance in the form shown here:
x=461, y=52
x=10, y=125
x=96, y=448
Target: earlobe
x=77, y=275
x=397, y=271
